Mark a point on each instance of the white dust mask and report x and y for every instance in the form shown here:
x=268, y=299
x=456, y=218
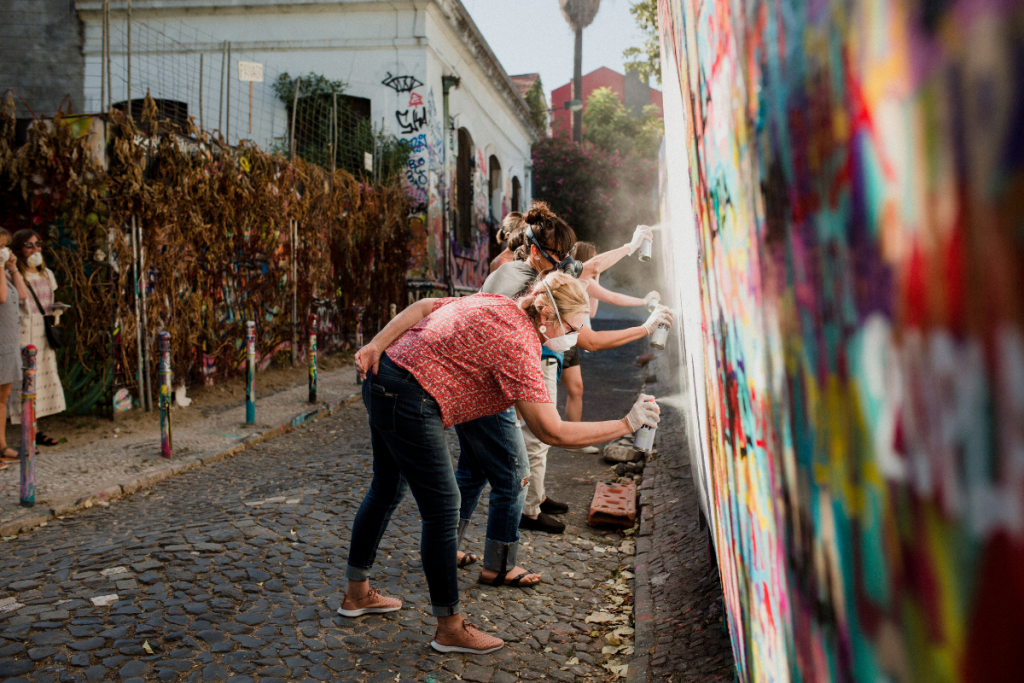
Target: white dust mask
x=35, y=260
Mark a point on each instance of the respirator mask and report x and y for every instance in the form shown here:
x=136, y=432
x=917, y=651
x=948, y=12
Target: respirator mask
x=569, y=265
x=5, y=255
x=35, y=260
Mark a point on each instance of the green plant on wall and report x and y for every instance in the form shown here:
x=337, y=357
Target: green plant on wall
x=538, y=108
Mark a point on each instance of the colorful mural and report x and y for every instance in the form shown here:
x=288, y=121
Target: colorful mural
x=855, y=171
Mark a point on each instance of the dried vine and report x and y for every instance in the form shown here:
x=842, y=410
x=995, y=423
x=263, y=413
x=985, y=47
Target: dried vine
x=216, y=229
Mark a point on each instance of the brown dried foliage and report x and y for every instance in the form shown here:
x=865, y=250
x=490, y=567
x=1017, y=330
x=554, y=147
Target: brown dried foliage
x=216, y=231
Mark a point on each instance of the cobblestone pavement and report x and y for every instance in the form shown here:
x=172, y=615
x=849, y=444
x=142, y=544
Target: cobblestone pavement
x=234, y=572
x=64, y=474
x=691, y=643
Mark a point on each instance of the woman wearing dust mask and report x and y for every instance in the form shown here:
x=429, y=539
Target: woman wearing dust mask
x=10, y=344
x=443, y=362
x=37, y=301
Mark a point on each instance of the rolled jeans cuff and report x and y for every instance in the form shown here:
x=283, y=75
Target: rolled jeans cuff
x=445, y=611
x=356, y=573
x=499, y=557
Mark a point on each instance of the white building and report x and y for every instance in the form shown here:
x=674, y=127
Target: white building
x=403, y=63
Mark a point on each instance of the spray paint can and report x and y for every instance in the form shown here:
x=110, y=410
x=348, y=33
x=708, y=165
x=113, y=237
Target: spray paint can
x=660, y=336
x=654, y=303
x=643, y=440
x=645, y=251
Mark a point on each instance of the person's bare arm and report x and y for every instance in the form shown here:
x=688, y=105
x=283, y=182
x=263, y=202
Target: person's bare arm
x=546, y=424
x=369, y=356
x=598, y=292
x=603, y=262
x=591, y=340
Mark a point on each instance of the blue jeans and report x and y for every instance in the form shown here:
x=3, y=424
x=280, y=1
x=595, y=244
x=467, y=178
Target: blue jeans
x=410, y=451
x=493, y=451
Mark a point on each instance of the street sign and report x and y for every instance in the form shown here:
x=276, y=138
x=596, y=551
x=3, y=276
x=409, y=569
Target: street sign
x=250, y=71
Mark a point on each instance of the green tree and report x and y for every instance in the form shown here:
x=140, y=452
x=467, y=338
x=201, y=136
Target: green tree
x=607, y=125
x=538, y=110
x=646, y=60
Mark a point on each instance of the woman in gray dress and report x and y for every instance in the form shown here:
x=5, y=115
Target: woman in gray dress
x=10, y=351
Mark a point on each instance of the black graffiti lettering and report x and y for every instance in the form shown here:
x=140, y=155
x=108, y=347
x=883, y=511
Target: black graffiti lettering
x=411, y=121
x=401, y=83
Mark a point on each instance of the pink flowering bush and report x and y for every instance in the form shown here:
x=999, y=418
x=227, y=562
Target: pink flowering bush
x=602, y=194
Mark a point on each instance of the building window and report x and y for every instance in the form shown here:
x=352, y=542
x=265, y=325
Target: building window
x=517, y=190
x=464, y=189
x=166, y=110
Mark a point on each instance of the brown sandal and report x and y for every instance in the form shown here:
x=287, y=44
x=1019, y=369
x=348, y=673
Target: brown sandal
x=10, y=458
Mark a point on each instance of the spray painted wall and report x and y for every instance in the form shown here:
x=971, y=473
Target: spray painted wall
x=844, y=229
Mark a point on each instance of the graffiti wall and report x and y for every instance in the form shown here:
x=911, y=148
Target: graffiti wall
x=847, y=192
x=418, y=120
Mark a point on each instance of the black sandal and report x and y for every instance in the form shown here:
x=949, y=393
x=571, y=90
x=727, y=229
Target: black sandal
x=500, y=580
x=44, y=440
x=467, y=559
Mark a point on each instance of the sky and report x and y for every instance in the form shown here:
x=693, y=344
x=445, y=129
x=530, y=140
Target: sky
x=532, y=36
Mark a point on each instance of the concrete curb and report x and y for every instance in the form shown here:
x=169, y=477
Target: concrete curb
x=639, y=670
x=39, y=517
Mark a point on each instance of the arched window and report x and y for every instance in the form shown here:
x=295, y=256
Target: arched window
x=464, y=189
x=495, y=185
x=517, y=194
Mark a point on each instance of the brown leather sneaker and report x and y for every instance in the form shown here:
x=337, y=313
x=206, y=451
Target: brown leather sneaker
x=468, y=639
x=373, y=603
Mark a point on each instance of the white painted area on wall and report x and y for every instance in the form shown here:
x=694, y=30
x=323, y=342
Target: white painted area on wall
x=680, y=257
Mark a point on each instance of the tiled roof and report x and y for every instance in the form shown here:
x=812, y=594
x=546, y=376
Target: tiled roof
x=524, y=82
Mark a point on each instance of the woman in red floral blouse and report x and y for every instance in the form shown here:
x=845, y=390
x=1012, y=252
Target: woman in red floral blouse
x=438, y=363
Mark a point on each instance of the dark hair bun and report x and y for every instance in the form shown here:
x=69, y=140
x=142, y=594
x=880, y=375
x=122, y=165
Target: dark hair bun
x=539, y=213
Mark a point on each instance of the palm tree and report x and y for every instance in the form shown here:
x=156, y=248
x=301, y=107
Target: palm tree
x=579, y=14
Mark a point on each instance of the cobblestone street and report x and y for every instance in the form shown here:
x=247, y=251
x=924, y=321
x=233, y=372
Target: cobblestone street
x=234, y=572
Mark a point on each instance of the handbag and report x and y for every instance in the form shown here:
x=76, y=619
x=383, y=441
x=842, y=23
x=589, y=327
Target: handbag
x=54, y=334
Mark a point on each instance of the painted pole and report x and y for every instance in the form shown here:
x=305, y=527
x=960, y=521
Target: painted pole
x=166, y=449
x=28, y=428
x=312, y=358
x=250, y=372
x=359, y=337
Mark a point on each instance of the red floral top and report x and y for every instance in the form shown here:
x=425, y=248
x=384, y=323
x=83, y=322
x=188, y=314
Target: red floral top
x=475, y=355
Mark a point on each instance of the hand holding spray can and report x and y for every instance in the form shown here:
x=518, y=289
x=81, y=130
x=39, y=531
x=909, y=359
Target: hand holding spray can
x=660, y=337
x=643, y=438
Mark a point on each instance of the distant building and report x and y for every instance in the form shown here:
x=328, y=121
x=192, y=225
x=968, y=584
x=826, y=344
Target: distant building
x=400, y=62
x=632, y=92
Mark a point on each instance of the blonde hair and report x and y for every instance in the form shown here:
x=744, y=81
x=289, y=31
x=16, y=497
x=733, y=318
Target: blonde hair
x=568, y=293
x=5, y=238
